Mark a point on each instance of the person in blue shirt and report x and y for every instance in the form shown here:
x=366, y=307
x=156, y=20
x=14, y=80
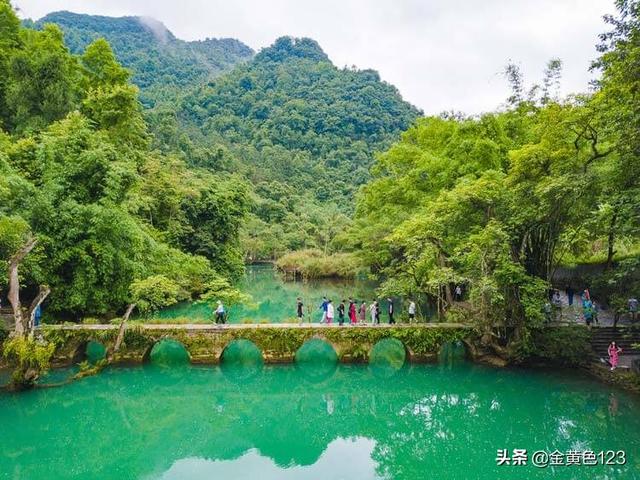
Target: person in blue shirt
x=37, y=315
x=324, y=306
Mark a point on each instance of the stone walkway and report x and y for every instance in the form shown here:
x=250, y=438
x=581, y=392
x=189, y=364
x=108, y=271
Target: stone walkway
x=573, y=313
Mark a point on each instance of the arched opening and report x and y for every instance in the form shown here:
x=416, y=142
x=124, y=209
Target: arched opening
x=90, y=351
x=387, y=357
x=169, y=352
x=241, y=361
x=452, y=353
x=243, y=353
x=95, y=352
x=317, y=360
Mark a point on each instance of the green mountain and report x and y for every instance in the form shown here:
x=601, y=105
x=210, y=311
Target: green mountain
x=160, y=62
x=302, y=131
x=305, y=132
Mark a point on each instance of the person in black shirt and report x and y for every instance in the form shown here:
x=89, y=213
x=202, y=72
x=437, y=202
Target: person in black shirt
x=391, y=311
x=300, y=310
x=341, y=313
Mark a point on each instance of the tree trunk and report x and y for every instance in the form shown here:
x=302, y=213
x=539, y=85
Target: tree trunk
x=14, y=285
x=42, y=295
x=121, y=330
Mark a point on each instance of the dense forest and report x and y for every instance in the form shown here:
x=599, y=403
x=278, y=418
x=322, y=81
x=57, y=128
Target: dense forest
x=497, y=202
x=234, y=156
x=161, y=64
x=300, y=131
x=87, y=207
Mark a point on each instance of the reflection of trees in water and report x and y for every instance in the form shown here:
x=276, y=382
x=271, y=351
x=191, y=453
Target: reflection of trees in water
x=137, y=422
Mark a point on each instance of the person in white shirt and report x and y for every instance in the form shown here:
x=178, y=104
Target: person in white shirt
x=330, y=312
x=412, y=311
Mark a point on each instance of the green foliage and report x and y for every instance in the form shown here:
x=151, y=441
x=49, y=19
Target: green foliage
x=77, y=171
x=220, y=289
x=314, y=264
x=154, y=293
x=303, y=132
x=161, y=64
x=562, y=345
x=497, y=202
x=28, y=357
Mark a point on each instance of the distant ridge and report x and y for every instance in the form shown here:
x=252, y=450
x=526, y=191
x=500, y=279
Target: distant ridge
x=156, y=57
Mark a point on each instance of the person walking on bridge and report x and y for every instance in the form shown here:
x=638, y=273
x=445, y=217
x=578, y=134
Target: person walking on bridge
x=352, y=311
x=391, y=311
x=363, y=312
x=373, y=311
x=220, y=313
x=341, y=309
x=329, y=312
x=324, y=306
x=299, y=310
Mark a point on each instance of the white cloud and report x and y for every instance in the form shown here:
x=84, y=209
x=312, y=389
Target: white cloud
x=441, y=54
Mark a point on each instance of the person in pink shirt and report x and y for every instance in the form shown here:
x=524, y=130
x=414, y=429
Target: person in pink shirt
x=352, y=311
x=613, y=351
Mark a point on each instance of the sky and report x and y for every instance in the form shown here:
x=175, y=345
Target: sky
x=443, y=55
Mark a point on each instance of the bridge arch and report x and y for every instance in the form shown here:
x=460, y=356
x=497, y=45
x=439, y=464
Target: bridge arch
x=90, y=350
x=454, y=351
x=388, y=355
x=317, y=349
x=241, y=351
x=167, y=351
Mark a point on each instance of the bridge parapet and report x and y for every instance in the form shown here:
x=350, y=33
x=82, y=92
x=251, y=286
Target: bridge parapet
x=278, y=342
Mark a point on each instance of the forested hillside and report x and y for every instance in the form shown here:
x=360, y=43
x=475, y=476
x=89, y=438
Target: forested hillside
x=161, y=63
x=303, y=132
x=87, y=208
x=497, y=202
x=300, y=130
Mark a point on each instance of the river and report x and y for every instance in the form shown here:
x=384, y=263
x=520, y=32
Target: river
x=314, y=421
x=273, y=300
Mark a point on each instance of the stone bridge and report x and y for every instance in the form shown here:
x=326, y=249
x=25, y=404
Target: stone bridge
x=278, y=343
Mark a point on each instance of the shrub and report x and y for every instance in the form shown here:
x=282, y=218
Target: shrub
x=29, y=358
x=314, y=264
x=562, y=345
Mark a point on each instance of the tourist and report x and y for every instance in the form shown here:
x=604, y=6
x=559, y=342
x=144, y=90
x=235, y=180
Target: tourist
x=412, y=311
x=556, y=301
x=595, y=308
x=37, y=315
x=324, y=306
x=547, y=312
x=220, y=313
x=329, y=312
x=300, y=310
x=352, y=311
x=341, y=312
x=587, y=311
x=613, y=352
x=570, y=292
x=373, y=311
x=378, y=312
x=458, y=293
x=632, y=303
x=363, y=312
x=391, y=311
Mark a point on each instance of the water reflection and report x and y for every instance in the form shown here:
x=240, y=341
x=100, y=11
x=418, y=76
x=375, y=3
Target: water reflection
x=422, y=422
x=387, y=357
x=347, y=458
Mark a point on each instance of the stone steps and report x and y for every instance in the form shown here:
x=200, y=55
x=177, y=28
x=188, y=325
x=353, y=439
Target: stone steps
x=624, y=337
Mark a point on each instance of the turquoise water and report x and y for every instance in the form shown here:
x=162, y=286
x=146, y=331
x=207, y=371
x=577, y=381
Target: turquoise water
x=274, y=300
x=313, y=421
